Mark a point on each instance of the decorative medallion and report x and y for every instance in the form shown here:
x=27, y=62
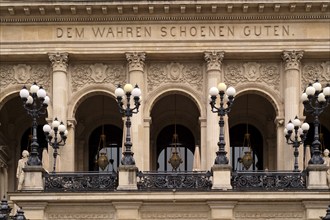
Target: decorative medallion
x=98, y=72
x=175, y=70
x=252, y=71
x=22, y=73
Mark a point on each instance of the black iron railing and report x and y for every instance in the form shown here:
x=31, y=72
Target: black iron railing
x=272, y=180
x=162, y=181
x=81, y=181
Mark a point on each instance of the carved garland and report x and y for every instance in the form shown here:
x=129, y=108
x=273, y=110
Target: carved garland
x=269, y=74
x=98, y=73
x=159, y=74
x=313, y=71
x=25, y=74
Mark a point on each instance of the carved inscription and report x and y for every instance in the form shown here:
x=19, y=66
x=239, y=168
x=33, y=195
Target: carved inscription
x=174, y=31
x=97, y=73
x=160, y=73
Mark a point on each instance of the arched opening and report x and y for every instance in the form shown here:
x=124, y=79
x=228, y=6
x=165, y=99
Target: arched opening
x=110, y=147
x=174, y=113
x=239, y=147
x=185, y=148
x=254, y=114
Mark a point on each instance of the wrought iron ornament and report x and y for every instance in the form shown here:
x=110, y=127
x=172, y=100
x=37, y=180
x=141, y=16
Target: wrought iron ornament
x=272, y=181
x=78, y=182
x=153, y=181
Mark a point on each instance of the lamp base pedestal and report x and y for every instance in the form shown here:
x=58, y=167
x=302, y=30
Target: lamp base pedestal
x=33, y=180
x=221, y=177
x=127, y=177
x=317, y=176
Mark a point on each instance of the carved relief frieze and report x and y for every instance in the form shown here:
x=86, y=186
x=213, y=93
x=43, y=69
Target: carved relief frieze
x=25, y=74
x=159, y=74
x=240, y=215
x=315, y=70
x=262, y=73
x=174, y=215
x=97, y=73
x=78, y=216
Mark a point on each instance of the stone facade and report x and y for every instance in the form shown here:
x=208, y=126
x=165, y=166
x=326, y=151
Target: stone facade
x=175, y=51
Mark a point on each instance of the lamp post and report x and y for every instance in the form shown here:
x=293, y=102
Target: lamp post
x=35, y=103
x=5, y=211
x=125, y=109
x=226, y=97
x=300, y=130
x=315, y=101
x=56, y=136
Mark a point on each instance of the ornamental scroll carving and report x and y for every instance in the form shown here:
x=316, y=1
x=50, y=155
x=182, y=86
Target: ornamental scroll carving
x=174, y=215
x=25, y=74
x=75, y=216
x=159, y=74
x=313, y=71
x=262, y=73
x=240, y=215
x=96, y=73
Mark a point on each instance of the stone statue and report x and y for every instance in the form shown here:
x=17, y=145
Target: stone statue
x=21, y=164
x=326, y=159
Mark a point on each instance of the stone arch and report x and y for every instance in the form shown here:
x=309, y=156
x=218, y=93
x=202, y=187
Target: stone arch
x=184, y=90
x=85, y=93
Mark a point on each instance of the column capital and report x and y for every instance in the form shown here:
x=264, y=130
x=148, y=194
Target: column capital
x=135, y=60
x=59, y=61
x=214, y=59
x=292, y=59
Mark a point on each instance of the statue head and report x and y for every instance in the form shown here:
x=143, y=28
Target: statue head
x=326, y=152
x=25, y=153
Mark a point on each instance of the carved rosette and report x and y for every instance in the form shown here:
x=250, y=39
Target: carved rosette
x=82, y=75
x=313, y=71
x=214, y=59
x=267, y=74
x=135, y=60
x=59, y=61
x=25, y=75
x=159, y=74
x=292, y=59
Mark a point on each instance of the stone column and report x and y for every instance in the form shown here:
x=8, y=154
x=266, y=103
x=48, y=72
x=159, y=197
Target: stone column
x=59, y=62
x=3, y=179
x=203, y=126
x=139, y=148
x=292, y=96
x=280, y=140
x=213, y=71
x=146, y=153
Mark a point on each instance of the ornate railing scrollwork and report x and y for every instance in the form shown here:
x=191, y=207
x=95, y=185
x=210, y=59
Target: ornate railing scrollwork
x=156, y=181
x=272, y=181
x=79, y=182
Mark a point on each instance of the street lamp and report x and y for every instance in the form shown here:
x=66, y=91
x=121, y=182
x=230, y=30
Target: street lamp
x=35, y=103
x=300, y=130
x=125, y=109
x=315, y=101
x=226, y=97
x=5, y=211
x=56, y=136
